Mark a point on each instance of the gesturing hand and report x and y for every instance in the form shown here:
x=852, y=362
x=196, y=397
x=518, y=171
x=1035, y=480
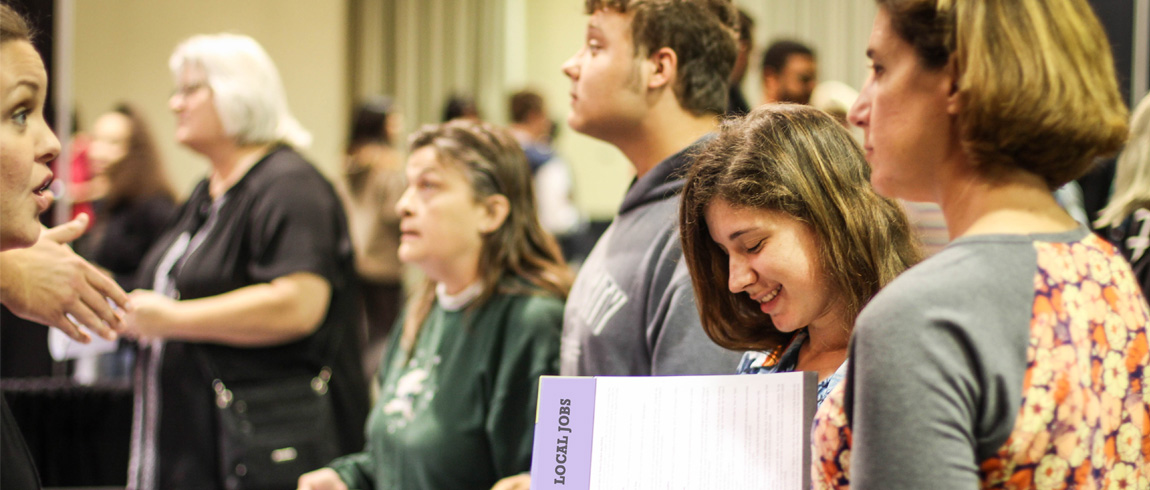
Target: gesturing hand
x=48, y=282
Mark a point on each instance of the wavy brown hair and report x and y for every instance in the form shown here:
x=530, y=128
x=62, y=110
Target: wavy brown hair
x=796, y=160
x=1035, y=80
x=520, y=248
x=140, y=174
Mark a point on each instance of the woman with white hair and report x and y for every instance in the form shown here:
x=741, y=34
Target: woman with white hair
x=1127, y=216
x=250, y=318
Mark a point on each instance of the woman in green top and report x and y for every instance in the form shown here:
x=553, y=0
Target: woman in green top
x=458, y=383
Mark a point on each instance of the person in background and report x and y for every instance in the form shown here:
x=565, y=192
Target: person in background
x=1126, y=219
x=786, y=241
x=531, y=127
x=460, y=106
x=737, y=104
x=459, y=382
x=254, y=281
x=550, y=174
x=835, y=98
x=1014, y=357
x=371, y=185
x=134, y=202
x=137, y=199
x=27, y=145
x=81, y=176
x=790, y=73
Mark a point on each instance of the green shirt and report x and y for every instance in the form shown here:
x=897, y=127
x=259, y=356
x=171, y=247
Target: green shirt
x=460, y=413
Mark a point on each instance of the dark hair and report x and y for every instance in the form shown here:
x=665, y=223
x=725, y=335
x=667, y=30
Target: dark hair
x=140, y=174
x=458, y=106
x=13, y=27
x=702, y=35
x=520, y=248
x=796, y=160
x=369, y=124
x=746, y=25
x=777, y=54
x=1035, y=80
x=524, y=103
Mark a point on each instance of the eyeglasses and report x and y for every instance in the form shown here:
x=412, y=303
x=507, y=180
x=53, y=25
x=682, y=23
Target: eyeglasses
x=189, y=89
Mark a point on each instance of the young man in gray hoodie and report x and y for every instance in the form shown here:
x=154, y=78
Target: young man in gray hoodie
x=651, y=79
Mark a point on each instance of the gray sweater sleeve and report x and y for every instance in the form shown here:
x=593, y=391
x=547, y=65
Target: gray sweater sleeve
x=939, y=357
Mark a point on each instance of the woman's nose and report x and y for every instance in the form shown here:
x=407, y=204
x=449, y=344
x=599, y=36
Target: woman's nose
x=740, y=275
x=859, y=114
x=402, y=205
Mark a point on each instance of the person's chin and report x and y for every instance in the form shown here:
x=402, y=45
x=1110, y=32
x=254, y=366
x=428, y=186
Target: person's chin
x=406, y=254
x=575, y=122
x=24, y=237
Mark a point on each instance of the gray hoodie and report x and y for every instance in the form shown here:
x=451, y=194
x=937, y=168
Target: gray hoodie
x=632, y=310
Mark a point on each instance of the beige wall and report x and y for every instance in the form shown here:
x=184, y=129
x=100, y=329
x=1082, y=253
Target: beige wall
x=122, y=49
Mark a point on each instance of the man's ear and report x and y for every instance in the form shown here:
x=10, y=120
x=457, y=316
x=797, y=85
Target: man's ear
x=664, y=68
x=770, y=80
x=497, y=208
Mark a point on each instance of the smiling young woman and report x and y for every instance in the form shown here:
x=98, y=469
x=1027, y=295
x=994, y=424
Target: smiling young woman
x=786, y=241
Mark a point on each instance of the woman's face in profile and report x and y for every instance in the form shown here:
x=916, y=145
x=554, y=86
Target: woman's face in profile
x=773, y=258
x=902, y=110
x=440, y=219
x=110, y=137
x=197, y=122
x=27, y=144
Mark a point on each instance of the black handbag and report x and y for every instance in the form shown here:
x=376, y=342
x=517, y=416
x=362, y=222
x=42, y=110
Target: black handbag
x=271, y=431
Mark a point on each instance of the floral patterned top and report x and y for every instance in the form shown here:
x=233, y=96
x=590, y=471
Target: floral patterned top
x=1076, y=417
x=784, y=360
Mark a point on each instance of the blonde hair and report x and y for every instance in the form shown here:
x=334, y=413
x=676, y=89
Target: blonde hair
x=1132, y=178
x=1035, y=80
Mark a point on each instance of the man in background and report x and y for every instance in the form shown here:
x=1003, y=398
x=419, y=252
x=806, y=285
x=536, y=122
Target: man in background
x=790, y=73
x=550, y=174
x=736, y=102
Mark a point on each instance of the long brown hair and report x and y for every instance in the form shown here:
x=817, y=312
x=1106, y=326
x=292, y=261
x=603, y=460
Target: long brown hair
x=140, y=174
x=799, y=161
x=520, y=248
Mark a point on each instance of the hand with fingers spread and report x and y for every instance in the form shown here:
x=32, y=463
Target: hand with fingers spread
x=50, y=284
